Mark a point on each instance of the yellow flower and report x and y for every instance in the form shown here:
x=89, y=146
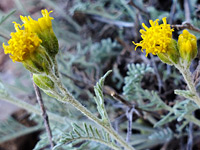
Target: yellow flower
x=27, y=47
x=39, y=26
x=187, y=44
x=43, y=28
x=156, y=38
x=22, y=44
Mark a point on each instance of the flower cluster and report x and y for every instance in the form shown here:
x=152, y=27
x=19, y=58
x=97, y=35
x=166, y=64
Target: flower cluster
x=158, y=40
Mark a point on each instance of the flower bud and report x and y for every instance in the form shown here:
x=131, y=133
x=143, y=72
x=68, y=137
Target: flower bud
x=43, y=82
x=187, y=45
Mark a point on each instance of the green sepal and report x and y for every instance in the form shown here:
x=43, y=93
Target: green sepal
x=50, y=42
x=172, y=55
x=172, y=52
x=38, y=62
x=43, y=82
x=164, y=58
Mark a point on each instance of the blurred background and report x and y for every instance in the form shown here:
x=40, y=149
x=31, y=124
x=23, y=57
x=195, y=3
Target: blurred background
x=95, y=36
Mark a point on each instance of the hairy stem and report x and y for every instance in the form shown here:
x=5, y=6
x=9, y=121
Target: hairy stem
x=70, y=99
x=190, y=83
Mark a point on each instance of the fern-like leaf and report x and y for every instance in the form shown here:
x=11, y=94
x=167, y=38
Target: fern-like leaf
x=99, y=99
x=4, y=18
x=10, y=129
x=87, y=133
x=133, y=79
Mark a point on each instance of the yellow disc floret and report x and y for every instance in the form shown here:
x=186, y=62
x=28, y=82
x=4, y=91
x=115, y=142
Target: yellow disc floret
x=156, y=38
x=39, y=26
x=21, y=44
x=43, y=28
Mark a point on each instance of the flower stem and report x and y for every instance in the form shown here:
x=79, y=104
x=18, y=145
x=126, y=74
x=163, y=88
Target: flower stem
x=70, y=99
x=190, y=83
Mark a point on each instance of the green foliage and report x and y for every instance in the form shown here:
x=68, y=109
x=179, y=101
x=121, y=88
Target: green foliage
x=158, y=137
x=10, y=129
x=90, y=58
x=156, y=14
x=86, y=132
x=4, y=18
x=178, y=112
x=99, y=99
x=83, y=58
x=184, y=93
x=116, y=10
x=3, y=91
x=57, y=132
x=133, y=79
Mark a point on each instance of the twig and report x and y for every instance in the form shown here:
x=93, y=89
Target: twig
x=129, y=115
x=4, y=36
x=165, y=146
x=187, y=11
x=160, y=84
x=138, y=8
x=172, y=12
x=44, y=114
x=117, y=121
x=190, y=137
x=186, y=25
x=114, y=22
x=119, y=98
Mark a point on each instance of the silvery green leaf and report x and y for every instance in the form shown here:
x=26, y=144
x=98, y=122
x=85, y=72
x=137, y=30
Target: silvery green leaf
x=184, y=93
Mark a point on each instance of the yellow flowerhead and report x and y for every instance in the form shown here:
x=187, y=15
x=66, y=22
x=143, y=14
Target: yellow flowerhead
x=187, y=44
x=43, y=23
x=21, y=44
x=27, y=47
x=156, y=38
x=43, y=28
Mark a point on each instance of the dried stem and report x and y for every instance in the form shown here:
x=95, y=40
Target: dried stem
x=129, y=115
x=190, y=137
x=143, y=11
x=187, y=10
x=160, y=84
x=186, y=25
x=119, y=98
x=172, y=12
x=44, y=114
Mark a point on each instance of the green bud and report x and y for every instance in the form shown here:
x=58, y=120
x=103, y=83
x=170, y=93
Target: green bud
x=43, y=82
x=187, y=44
